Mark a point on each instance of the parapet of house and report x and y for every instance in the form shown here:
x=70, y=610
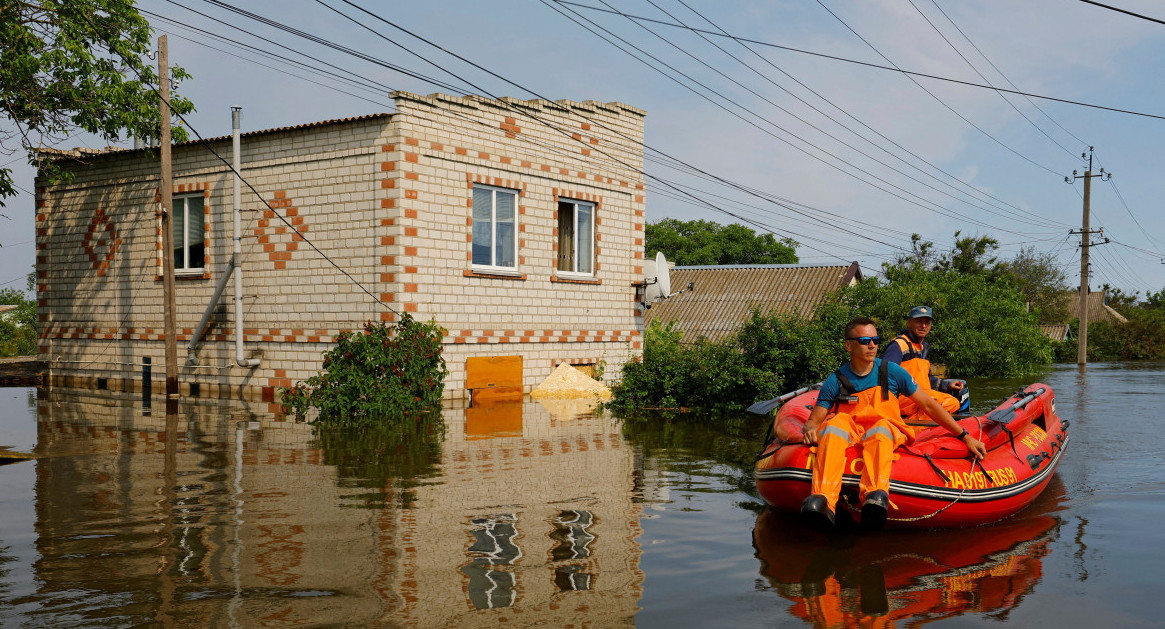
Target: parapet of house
x=515, y=225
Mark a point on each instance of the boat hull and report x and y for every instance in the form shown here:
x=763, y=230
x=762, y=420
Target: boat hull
x=948, y=489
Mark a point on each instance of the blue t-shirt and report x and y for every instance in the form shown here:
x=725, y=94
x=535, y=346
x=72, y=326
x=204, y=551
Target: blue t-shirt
x=898, y=379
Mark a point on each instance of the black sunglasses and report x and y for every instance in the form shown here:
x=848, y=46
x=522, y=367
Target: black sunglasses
x=864, y=340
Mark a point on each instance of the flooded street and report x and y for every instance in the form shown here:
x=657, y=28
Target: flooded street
x=530, y=514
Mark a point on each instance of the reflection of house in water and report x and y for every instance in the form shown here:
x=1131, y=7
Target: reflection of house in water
x=532, y=520
x=242, y=520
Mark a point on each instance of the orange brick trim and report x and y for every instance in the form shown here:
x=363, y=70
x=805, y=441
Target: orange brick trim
x=207, y=257
x=566, y=280
x=541, y=336
x=101, y=232
x=438, y=148
x=224, y=334
x=270, y=227
x=492, y=276
x=554, y=362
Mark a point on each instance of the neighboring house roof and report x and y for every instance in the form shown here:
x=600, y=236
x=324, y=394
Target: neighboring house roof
x=1098, y=310
x=723, y=295
x=1057, y=331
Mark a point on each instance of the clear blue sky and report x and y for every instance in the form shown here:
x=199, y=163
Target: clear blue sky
x=789, y=126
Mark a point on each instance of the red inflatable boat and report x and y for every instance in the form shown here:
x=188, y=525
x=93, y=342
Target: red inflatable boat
x=934, y=482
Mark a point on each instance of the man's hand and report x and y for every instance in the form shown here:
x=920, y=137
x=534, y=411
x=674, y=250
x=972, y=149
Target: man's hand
x=809, y=433
x=978, y=450
x=957, y=385
x=813, y=425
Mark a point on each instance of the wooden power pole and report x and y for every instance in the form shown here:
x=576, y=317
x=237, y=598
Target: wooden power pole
x=167, y=224
x=1085, y=237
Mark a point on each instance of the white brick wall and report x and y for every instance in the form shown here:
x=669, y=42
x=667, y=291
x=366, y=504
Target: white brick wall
x=384, y=197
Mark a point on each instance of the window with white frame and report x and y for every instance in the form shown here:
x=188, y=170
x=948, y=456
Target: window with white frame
x=495, y=228
x=189, y=223
x=576, y=237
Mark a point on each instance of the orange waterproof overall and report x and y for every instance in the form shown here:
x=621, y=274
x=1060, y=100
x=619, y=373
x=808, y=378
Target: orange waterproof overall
x=869, y=418
x=919, y=368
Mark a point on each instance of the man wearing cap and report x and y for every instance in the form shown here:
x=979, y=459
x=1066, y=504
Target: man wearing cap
x=911, y=350
x=858, y=406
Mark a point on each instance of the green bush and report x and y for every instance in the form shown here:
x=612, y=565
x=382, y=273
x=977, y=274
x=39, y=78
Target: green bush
x=772, y=353
x=1142, y=338
x=386, y=373
x=981, y=328
x=18, y=326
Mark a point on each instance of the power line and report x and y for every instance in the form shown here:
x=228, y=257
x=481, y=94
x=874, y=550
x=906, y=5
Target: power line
x=845, y=112
x=934, y=96
x=1000, y=72
x=936, y=208
x=1118, y=10
x=826, y=133
x=877, y=66
x=985, y=79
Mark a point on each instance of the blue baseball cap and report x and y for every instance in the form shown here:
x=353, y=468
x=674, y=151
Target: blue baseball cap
x=919, y=312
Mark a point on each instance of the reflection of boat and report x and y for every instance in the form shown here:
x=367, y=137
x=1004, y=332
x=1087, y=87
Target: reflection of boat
x=934, y=483
x=876, y=580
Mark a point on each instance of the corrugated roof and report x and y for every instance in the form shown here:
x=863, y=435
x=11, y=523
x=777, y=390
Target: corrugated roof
x=1097, y=309
x=1056, y=331
x=723, y=295
x=88, y=152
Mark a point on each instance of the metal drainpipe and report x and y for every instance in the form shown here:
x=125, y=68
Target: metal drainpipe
x=236, y=163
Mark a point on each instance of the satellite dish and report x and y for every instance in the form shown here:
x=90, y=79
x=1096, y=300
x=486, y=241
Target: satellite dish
x=657, y=279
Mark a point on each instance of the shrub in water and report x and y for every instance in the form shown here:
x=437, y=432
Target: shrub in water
x=385, y=373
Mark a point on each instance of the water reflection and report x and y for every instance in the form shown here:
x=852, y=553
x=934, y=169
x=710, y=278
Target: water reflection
x=862, y=580
x=228, y=517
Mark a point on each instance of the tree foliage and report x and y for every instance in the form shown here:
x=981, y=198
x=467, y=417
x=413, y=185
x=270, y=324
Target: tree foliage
x=388, y=372
x=706, y=242
x=1141, y=338
x=68, y=65
x=18, y=326
x=1042, y=282
x=982, y=327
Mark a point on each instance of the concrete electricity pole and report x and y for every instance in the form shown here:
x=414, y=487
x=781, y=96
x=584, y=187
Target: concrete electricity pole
x=167, y=211
x=1085, y=235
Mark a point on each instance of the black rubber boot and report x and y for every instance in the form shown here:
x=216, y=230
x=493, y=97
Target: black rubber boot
x=816, y=512
x=874, y=510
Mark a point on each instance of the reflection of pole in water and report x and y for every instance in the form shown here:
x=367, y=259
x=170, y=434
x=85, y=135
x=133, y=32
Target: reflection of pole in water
x=237, y=551
x=1081, y=547
x=166, y=508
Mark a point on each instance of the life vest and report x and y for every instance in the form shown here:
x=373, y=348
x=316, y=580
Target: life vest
x=915, y=361
x=872, y=403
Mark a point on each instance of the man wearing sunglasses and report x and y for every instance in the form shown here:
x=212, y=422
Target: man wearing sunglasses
x=858, y=404
x=911, y=350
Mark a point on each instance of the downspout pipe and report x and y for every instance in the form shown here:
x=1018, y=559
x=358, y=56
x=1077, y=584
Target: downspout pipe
x=237, y=254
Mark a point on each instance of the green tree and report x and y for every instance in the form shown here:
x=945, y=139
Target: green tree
x=68, y=65
x=982, y=327
x=1042, y=282
x=968, y=255
x=706, y=242
x=18, y=326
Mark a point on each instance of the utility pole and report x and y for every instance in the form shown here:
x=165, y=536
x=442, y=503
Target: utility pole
x=1085, y=236
x=167, y=212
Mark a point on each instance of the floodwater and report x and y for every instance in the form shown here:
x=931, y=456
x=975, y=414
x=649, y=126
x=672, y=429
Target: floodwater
x=526, y=514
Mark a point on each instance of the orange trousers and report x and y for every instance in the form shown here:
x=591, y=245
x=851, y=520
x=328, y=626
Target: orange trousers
x=913, y=413
x=876, y=437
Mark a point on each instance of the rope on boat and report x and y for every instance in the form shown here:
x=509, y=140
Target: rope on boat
x=952, y=503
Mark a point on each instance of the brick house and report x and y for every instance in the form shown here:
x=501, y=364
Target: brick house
x=515, y=225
